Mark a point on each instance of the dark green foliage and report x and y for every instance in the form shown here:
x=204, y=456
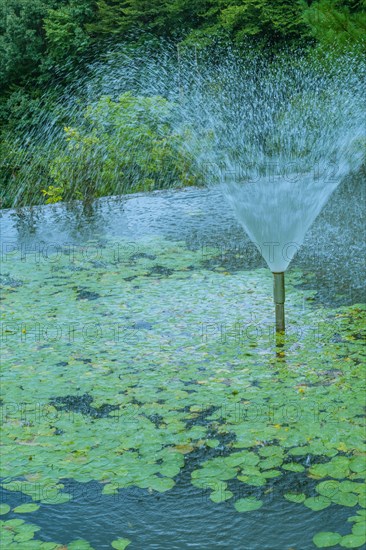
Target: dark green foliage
x=65, y=30
x=263, y=19
x=22, y=44
x=121, y=16
x=36, y=34
x=203, y=18
x=44, y=44
x=337, y=22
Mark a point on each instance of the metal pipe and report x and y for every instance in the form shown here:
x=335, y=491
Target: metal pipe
x=279, y=300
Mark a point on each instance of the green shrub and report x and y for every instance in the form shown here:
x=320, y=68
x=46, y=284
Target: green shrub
x=123, y=146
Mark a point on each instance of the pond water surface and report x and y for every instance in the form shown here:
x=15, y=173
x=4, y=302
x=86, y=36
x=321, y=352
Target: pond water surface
x=145, y=397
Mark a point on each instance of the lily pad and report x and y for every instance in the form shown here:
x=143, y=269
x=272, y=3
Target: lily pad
x=359, y=529
x=326, y=539
x=358, y=464
x=248, y=504
x=269, y=474
x=161, y=484
x=353, y=541
x=26, y=508
x=221, y=496
x=345, y=499
x=242, y=459
x=317, y=503
x=271, y=450
x=4, y=509
x=213, y=443
x=328, y=488
x=271, y=462
x=256, y=481
x=120, y=544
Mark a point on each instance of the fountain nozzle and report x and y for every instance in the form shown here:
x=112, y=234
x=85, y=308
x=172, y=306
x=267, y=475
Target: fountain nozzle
x=279, y=300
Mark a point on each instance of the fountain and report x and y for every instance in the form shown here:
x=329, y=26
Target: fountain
x=276, y=135
x=132, y=395
x=283, y=135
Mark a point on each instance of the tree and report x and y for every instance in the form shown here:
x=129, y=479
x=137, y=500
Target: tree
x=263, y=19
x=22, y=44
x=341, y=22
x=65, y=30
x=125, y=16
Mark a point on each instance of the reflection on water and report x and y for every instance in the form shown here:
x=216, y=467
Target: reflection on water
x=333, y=252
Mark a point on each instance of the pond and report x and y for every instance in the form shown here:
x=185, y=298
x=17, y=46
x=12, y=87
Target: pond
x=146, y=400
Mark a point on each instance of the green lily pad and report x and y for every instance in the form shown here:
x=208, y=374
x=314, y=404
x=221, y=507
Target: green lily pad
x=24, y=536
x=256, y=481
x=269, y=474
x=359, y=529
x=358, y=464
x=299, y=451
x=161, y=484
x=242, y=459
x=120, y=544
x=250, y=471
x=14, y=522
x=271, y=462
x=212, y=443
x=169, y=470
x=351, y=487
x=26, y=508
x=320, y=470
x=353, y=541
x=317, y=503
x=221, y=496
x=271, y=450
x=110, y=489
x=345, y=499
x=325, y=539
x=357, y=518
x=4, y=509
x=248, y=504
x=328, y=488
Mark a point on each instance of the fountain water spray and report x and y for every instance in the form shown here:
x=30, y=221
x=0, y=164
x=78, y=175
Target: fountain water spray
x=284, y=135
x=276, y=135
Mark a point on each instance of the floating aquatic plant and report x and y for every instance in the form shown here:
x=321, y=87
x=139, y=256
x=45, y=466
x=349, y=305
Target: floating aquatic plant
x=101, y=387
